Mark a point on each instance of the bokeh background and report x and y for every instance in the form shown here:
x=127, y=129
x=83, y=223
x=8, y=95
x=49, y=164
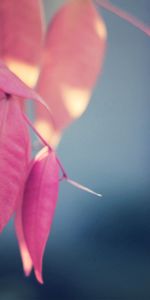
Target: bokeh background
x=100, y=248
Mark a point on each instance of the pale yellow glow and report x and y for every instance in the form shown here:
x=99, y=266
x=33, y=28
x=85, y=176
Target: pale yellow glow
x=26, y=260
x=42, y=153
x=27, y=73
x=75, y=100
x=48, y=132
x=100, y=28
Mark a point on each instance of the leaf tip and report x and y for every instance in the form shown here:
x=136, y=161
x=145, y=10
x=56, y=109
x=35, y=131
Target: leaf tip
x=27, y=272
x=39, y=277
x=26, y=259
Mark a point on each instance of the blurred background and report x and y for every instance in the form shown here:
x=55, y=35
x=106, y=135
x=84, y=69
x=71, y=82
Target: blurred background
x=99, y=248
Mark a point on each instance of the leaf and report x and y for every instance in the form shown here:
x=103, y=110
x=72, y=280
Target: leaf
x=21, y=36
x=11, y=84
x=73, y=57
x=39, y=204
x=25, y=256
x=14, y=138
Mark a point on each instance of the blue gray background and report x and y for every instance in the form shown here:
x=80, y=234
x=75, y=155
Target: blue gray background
x=100, y=248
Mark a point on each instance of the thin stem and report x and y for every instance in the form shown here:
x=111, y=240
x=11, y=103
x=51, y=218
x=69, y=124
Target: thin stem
x=46, y=144
x=82, y=187
x=64, y=174
x=124, y=15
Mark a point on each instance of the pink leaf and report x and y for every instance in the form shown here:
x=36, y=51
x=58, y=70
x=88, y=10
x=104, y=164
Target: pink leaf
x=11, y=84
x=73, y=57
x=21, y=36
x=13, y=143
x=26, y=259
x=39, y=204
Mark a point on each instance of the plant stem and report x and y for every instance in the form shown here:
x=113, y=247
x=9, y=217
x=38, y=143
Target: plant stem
x=124, y=15
x=65, y=176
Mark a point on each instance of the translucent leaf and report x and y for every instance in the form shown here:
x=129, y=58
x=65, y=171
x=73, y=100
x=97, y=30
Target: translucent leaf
x=73, y=57
x=12, y=85
x=21, y=36
x=39, y=204
x=25, y=256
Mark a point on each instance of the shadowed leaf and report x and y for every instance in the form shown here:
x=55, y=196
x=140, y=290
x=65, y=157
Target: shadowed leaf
x=13, y=142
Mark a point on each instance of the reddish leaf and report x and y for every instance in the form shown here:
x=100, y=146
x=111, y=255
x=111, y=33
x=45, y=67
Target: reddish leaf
x=24, y=252
x=21, y=36
x=74, y=52
x=39, y=204
x=13, y=143
x=26, y=259
x=11, y=84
